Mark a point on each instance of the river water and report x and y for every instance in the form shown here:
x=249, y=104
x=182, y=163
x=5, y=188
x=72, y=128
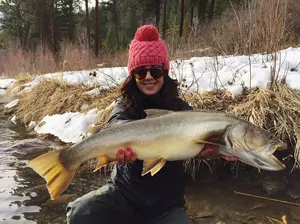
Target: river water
x=24, y=198
x=11, y=201
x=23, y=195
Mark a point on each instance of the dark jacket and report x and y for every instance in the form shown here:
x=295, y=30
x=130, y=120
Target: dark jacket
x=149, y=195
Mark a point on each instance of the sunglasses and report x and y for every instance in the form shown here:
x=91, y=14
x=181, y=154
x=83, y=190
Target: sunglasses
x=156, y=72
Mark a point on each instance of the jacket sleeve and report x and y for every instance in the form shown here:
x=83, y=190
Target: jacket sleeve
x=118, y=114
x=184, y=105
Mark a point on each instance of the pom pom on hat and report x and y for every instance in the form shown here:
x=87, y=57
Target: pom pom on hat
x=147, y=48
x=147, y=33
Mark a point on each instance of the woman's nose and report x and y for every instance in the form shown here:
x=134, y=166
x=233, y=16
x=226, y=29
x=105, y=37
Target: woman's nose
x=148, y=75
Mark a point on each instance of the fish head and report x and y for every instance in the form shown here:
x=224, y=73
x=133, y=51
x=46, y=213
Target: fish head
x=254, y=146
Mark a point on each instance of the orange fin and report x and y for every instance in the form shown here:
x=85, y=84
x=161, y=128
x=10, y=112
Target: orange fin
x=211, y=142
x=153, y=166
x=104, y=160
x=49, y=167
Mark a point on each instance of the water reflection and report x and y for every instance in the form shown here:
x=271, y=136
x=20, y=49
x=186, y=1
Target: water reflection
x=23, y=195
x=12, y=199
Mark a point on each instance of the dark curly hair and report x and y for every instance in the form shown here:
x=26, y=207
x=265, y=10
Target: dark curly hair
x=134, y=99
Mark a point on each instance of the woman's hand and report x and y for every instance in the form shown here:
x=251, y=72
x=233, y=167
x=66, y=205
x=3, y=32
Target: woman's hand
x=212, y=151
x=125, y=155
x=209, y=152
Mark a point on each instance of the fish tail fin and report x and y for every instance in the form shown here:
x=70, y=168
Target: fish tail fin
x=49, y=167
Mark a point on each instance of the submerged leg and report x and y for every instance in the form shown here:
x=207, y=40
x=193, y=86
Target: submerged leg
x=103, y=206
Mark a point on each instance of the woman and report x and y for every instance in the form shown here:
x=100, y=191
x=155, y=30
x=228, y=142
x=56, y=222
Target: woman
x=129, y=197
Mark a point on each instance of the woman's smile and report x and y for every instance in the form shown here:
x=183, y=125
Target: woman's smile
x=149, y=85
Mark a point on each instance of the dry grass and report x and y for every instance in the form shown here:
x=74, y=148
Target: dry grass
x=216, y=100
x=117, y=59
x=293, y=19
x=276, y=110
x=23, y=78
x=75, y=57
x=256, y=26
x=55, y=97
x=17, y=61
x=72, y=57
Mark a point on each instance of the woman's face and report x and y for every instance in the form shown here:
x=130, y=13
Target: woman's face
x=149, y=79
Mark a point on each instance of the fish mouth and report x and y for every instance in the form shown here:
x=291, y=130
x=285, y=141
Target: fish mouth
x=278, y=147
x=265, y=159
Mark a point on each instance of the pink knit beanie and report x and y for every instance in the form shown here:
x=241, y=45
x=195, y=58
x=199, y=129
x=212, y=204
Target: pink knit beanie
x=147, y=48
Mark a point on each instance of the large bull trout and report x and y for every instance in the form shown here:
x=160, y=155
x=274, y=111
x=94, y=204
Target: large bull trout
x=162, y=136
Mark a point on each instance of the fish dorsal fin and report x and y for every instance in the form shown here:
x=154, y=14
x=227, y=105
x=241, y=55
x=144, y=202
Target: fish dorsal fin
x=157, y=112
x=153, y=166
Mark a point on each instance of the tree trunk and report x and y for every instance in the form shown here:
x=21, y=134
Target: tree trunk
x=116, y=21
x=45, y=30
x=71, y=29
x=165, y=20
x=87, y=18
x=157, y=19
x=26, y=32
x=192, y=16
x=181, y=18
x=211, y=10
x=19, y=23
x=97, y=28
x=201, y=10
x=54, y=39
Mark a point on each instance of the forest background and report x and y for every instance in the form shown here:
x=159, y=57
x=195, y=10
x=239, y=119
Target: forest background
x=40, y=36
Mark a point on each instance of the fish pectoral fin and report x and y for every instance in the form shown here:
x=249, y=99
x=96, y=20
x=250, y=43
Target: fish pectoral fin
x=157, y=167
x=104, y=160
x=153, y=166
x=212, y=142
x=49, y=167
x=156, y=112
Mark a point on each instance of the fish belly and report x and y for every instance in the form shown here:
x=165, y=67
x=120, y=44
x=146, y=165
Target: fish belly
x=169, y=150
